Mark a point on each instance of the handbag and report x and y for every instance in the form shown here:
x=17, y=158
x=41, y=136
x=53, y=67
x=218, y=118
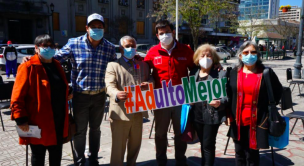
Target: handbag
x=187, y=128
x=283, y=140
x=72, y=126
x=277, y=124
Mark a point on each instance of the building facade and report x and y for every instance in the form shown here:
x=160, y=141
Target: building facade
x=258, y=9
x=22, y=20
x=293, y=14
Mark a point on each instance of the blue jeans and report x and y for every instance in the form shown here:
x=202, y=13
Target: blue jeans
x=11, y=65
x=87, y=109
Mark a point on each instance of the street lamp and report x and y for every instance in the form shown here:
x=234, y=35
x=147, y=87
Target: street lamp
x=298, y=64
x=52, y=10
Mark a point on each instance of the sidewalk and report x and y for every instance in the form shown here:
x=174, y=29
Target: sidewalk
x=11, y=153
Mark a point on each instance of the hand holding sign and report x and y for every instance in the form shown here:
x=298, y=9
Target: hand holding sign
x=122, y=95
x=144, y=86
x=215, y=103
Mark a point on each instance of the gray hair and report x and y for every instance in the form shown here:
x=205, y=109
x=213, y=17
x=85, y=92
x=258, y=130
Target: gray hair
x=243, y=47
x=126, y=38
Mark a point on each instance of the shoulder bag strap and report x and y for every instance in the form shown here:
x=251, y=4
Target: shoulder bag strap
x=268, y=85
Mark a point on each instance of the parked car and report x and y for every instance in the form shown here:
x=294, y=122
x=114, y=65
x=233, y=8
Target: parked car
x=143, y=48
x=119, y=54
x=22, y=51
x=232, y=53
x=222, y=53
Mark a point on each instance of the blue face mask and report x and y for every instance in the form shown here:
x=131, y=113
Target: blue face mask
x=249, y=59
x=96, y=34
x=47, y=53
x=129, y=53
x=10, y=45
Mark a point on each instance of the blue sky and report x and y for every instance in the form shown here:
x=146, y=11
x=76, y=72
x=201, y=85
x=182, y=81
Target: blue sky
x=291, y=2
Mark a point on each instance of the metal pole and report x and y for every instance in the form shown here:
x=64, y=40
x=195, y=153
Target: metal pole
x=53, y=26
x=298, y=64
x=176, y=20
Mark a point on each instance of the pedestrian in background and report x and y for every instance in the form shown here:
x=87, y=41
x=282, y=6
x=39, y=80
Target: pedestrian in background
x=10, y=55
x=247, y=93
x=40, y=98
x=170, y=61
x=207, y=117
x=126, y=128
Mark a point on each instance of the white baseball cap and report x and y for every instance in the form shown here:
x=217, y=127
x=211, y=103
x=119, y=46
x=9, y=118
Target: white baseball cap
x=93, y=17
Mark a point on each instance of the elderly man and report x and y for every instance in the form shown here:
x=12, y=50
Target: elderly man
x=126, y=128
x=89, y=56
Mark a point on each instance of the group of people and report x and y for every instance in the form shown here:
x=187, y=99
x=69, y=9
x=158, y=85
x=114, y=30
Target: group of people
x=41, y=93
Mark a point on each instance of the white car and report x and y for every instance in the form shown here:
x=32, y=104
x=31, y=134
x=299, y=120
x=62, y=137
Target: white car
x=222, y=53
x=119, y=54
x=22, y=51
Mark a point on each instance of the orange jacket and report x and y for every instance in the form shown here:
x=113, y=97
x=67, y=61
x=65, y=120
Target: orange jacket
x=31, y=97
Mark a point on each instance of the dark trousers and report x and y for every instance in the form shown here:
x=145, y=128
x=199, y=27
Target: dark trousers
x=244, y=156
x=11, y=66
x=162, y=122
x=207, y=136
x=38, y=154
x=88, y=109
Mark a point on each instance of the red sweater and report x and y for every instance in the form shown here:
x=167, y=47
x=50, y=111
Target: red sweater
x=173, y=67
x=249, y=81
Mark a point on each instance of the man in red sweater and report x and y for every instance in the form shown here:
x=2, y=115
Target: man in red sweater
x=170, y=61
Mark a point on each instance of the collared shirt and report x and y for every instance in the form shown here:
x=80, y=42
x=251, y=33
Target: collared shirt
x=88, y=64
x=170, y=50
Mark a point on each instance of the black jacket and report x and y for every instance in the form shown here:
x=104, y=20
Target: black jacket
x=262, y=107
x=202, y=112
x=10, y=50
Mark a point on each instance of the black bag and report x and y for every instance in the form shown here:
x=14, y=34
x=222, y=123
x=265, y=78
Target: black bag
x=277, y=124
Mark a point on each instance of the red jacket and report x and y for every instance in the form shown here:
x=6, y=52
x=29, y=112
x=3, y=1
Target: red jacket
x=172, y=67
x=31, y=97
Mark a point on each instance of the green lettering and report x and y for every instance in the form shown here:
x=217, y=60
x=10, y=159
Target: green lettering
x=209, y=91
x=217, y=94
x=189, y=89
x=202, y=89
x=224, y=82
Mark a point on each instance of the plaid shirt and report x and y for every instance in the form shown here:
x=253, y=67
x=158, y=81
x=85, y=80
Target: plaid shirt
x=88, y=64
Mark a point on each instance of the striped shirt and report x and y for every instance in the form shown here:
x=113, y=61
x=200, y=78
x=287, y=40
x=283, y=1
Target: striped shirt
x=88, y=64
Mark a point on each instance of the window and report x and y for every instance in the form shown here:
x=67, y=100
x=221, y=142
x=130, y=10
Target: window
x=106, y=24
x=56, y=26
x=204, y=20
x=123, y=28
x=26, y=51
x=81, y=22
x=153, y=29
x=140, y=27
x=123, y=3
x=141, y=4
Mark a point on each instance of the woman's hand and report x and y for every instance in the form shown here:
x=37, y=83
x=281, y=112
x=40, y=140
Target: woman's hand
x=70, y=96
x=24, y=127
x=215, y=103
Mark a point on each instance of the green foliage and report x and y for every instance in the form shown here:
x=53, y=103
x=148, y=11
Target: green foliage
x=192, y=12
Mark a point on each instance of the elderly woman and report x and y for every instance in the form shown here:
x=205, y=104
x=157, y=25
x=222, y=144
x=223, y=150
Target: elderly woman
x=39, y=98
x=247, y=93
x=207, y=116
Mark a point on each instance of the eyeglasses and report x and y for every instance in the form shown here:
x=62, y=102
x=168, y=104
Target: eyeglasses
x=247, y=52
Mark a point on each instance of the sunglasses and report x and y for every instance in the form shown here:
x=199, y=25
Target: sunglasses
x=247, y=52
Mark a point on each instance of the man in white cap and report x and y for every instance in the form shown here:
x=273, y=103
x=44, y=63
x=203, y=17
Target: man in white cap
x=89, y=56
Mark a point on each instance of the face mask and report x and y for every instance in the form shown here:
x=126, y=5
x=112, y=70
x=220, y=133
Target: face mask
x=249, y=59
x=47, y=53
x=96, y=34
x=166, y=38
x=10, y=45
x=205, y=62
x=129, y=53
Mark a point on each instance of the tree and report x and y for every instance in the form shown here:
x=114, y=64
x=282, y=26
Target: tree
x=121, y=26
x=192, y=12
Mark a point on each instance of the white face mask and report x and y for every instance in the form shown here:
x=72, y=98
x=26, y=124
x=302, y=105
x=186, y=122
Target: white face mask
x=205, y=62
x=166, y=38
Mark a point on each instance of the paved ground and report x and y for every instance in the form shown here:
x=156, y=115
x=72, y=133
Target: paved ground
x=13, y=154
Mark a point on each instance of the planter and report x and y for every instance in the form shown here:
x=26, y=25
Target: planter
x=284, y=10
